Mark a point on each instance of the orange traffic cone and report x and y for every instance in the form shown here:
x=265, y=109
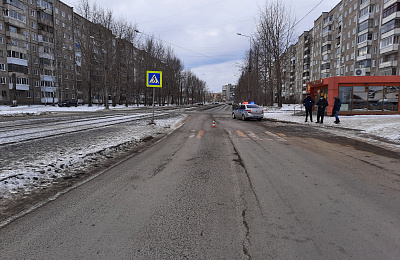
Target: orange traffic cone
x=213, y=125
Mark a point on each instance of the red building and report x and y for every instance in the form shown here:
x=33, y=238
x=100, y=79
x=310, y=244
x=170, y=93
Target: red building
x=359, y=94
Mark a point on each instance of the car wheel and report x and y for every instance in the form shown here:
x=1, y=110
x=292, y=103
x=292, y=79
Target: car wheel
x=243, y=117
x=233, y=116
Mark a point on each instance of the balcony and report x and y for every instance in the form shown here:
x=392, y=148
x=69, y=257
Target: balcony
x=47, y=78
x=17, y=61
x=388, y=64
x=391, y=17
x=364, y=57
x=365, y=4
x=366, y=17
x=389, y=3
x=46, y=55
x=14, y=22
x=364, y=44
x=393, y=32
x=19, y=86
x=16, y=35
x=390, y=49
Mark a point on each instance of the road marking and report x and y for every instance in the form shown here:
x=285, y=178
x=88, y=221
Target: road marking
x=241, y=134
x=254, y=136
x=192, y=134
x=200, y=134
x=276, y=136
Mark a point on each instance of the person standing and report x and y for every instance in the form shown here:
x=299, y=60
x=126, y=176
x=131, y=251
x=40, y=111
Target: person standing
x=308, y=103
x=321, y=104
x=336, y=109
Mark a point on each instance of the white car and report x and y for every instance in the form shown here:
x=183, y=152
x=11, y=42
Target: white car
x=247, y=111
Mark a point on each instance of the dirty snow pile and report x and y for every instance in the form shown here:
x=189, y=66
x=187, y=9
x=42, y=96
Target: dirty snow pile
x=42, y=164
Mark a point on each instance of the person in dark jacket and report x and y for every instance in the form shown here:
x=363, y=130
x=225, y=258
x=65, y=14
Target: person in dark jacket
x=321, y=104
x=336, y=109
x=308, y=103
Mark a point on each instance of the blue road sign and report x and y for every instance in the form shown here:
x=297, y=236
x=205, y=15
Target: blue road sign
x=154, y=79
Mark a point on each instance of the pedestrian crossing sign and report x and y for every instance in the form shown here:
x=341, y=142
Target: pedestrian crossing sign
x=154, y=79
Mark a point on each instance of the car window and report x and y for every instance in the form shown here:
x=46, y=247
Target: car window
x=252, y=106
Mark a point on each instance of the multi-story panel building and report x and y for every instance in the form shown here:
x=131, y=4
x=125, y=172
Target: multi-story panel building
x=65, y=51
x=356, y=38
x=15, y=46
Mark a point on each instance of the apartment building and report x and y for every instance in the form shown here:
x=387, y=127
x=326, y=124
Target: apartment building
x=228, y=93
x=41, y=56
x=356, y=38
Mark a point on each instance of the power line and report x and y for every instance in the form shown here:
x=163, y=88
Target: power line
x=308, y=13
x=181, y=47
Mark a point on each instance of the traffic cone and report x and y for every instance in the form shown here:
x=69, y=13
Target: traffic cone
x=213, y=125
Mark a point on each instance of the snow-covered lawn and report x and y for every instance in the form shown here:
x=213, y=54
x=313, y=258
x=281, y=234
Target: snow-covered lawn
x=385, y=126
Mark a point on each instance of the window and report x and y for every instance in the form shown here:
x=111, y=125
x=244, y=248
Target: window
x=391, y=9
x=28, y=94
x=3, y=80
x=33, y=25
x=393, y=24
x=367, y=10
x=56, y=10
x=364, y=37
x=2, y=66
x=389, y=41
x=63, y=14
x=33, y=13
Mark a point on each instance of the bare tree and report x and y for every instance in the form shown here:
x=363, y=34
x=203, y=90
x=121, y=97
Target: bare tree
x=275, y=31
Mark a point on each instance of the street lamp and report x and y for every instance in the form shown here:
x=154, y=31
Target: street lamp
x=249, y=68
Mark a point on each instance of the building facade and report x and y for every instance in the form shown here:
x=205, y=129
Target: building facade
x=228, y=93
x=356, y=38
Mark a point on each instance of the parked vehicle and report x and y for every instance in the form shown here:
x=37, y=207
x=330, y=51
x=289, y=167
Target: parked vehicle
x=247, y=111
x=69, y=103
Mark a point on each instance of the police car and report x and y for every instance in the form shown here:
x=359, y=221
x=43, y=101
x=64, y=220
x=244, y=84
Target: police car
x=246, y=111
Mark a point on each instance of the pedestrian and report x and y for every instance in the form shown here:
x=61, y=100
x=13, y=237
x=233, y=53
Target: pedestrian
x=308, y=103
x=321, y=104
x=336, y=109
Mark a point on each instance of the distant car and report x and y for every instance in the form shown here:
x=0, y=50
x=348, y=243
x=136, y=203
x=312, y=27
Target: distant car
x=200, y=103
x=247, y=111
x=69, y=103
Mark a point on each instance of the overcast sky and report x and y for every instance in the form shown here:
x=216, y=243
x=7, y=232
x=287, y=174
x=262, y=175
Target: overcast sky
x=203, y=33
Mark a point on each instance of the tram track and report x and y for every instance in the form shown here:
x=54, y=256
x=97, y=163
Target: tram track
x=11, y=135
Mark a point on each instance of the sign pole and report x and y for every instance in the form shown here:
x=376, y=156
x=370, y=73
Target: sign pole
x=152, y=120
x=154, y=80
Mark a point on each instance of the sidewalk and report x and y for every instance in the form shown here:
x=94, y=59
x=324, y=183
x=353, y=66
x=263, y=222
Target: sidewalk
x=386, y=127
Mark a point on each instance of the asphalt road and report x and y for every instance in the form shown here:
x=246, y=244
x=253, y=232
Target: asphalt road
x=240, y=190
